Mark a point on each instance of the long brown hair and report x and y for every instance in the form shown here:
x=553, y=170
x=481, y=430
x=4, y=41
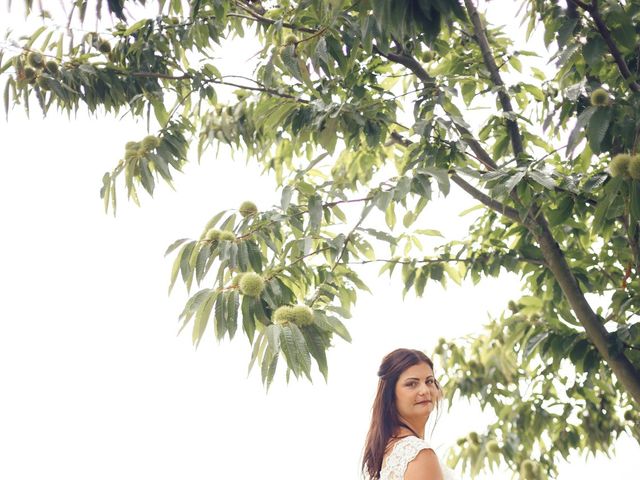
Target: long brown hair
x=384, y=414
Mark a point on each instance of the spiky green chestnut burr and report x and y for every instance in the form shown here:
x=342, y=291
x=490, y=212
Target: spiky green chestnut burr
x=132, y=145
x=528, y=470
x=213, y=234
x=634, y=167
x=35, y=59
x=427, y=56
x=600, y=97
x=130, y=155
x=251, y=284
x=247, y=209
x=226, y=235
x=493, y=447
x=29, y=74
x=302, y=315
x=104, y=46
x=290, y=39
x=283, y=315
x=619, y=165
x=150, y=142
x=51, y=67
x=235, y=281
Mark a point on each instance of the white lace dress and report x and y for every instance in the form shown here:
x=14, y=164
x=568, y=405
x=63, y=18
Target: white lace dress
x=403, y=451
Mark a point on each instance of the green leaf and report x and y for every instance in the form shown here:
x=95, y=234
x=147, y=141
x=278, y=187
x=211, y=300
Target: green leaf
x=337, y=326
x=220, y=322
x=248, y=317
x=542, y=178
x=317, y=344
x=295, y=349
x=533, y=342
x=597, y=128
x=623, y=30
x=255, y=257
x=601, y=214
x=430, y=232
x=575, y=135
x=634, y=202
x=290, y=60
x=162, y=116
x=328, y=136
x=441, y=175
x=511, y=182
x=178, y=262
x=231, y=312
x=315, y=213
x=578, y=351
x=202, y=316
x=594, y=50
x=560, y=214
x=273, y=335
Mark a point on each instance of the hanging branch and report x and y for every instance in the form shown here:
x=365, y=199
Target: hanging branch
x=594, y=11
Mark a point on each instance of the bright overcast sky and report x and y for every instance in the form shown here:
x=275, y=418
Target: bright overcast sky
x=95, y=382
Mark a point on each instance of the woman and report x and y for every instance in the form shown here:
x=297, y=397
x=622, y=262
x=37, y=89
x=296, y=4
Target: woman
x=407, y=394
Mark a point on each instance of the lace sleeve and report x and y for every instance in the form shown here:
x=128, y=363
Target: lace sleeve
x=403, y=452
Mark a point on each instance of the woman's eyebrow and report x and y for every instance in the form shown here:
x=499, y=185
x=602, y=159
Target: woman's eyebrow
x=416, y=378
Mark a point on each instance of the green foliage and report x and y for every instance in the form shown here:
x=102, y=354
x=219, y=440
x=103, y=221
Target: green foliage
x=547, y=385
x=360, y=136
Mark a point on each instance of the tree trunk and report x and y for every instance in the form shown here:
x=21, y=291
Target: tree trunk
x=618, y=362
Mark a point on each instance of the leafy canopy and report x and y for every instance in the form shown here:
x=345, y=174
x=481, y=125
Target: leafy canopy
x=366, y=106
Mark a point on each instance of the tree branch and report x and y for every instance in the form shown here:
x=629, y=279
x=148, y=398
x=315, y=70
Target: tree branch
x=301, y=212
x=594, y=11
x=626, y=372
x=185, y=76
x=253, y=15
x=628, y=345
x=417, y=69
x=489, y=61
x=495, y=205
x=580, y=4
x=343, y=250
x=481, y=154
x=436, y=260
x=409, y=62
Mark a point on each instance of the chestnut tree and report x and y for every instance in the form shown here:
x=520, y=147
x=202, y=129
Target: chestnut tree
x=366, y=109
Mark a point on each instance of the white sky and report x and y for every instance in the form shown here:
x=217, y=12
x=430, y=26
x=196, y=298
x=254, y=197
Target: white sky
x=96, y=384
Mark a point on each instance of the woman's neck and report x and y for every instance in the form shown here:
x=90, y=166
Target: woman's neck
x=410, y=428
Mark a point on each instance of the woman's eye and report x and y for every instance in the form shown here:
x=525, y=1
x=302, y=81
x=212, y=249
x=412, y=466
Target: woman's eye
x=411, y=384
x=430, y=381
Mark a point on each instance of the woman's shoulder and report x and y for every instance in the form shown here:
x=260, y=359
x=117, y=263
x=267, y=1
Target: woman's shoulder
x=400, y=453
x=411, y=454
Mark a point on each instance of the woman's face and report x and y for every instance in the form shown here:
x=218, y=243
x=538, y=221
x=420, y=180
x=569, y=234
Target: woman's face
x=416, y=393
